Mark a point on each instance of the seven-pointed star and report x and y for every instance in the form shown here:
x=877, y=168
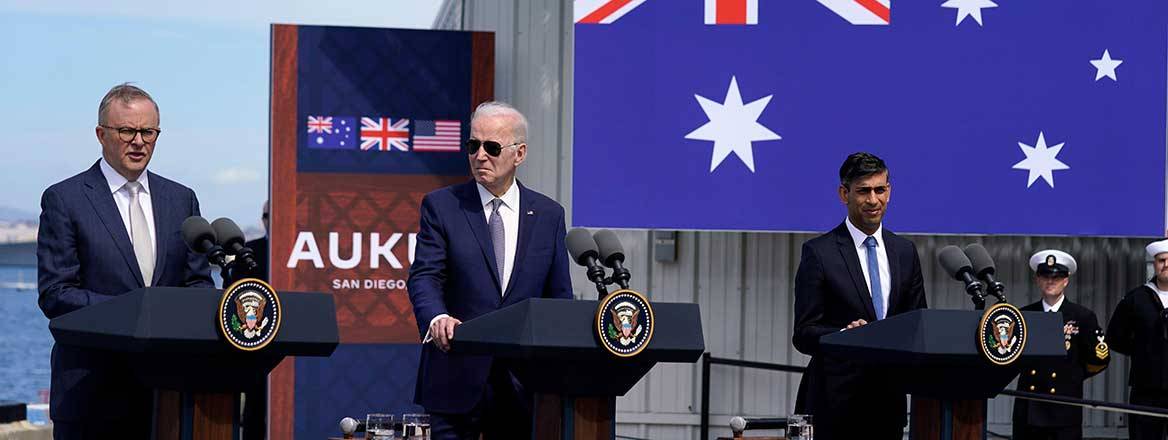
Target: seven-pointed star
x=1041, y=161
x=968, y=8
x=1105, y=66
x=733, y=126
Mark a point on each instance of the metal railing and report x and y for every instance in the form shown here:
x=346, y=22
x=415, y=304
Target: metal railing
x=708, y=360
x=774, y=423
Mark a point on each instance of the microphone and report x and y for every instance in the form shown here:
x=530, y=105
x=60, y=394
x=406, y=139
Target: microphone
x=612, y=255
x=582, y=248
x=957, y=265
x=983, y=266
x=231, y=238
x=201, y=239
x=348, y=426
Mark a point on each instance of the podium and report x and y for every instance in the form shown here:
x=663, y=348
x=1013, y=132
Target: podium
x=197, y=376
x=551, y=347
x=937, y=361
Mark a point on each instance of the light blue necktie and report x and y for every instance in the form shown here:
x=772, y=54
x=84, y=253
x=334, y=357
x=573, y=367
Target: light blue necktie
x=874, y=277
x=498, y=237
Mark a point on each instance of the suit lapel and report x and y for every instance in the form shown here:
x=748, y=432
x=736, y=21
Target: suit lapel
x=98, y=193
x=472, y=207
x=527, y=219
x=847, y=250
x=163, y=221
x=894, y=270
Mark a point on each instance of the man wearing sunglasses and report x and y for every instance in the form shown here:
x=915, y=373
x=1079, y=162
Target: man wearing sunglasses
x=482, y=245
x=109, y=230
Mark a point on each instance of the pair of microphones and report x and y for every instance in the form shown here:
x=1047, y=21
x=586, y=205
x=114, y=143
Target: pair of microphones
x=597, y=251
x=974, y=267
x=218, y=240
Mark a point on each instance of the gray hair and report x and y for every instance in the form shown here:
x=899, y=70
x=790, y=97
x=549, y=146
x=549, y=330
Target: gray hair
x=502, y=109
x=124, y=92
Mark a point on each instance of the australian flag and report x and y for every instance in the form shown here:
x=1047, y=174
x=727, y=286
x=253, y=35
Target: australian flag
x=1037, y=117
x=331, y=132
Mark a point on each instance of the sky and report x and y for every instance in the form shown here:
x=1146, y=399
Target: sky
x=205, y=63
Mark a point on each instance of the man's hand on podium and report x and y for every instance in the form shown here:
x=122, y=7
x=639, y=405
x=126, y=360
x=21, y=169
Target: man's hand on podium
x=857, y=323
x=442, y=331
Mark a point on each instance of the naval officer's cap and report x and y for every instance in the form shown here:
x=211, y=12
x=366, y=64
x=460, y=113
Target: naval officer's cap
x=1053, y=263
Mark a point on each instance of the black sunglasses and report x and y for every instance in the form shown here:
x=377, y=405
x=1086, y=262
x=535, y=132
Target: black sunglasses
x=493, y=148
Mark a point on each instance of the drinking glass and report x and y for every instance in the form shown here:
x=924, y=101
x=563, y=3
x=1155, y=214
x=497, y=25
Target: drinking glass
x=379, y=426
x=416, y=426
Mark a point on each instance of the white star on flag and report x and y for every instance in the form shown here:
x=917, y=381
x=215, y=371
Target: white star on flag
x=733, y=126
x=1105, y=66
x=1041, y=161
x=969, y=8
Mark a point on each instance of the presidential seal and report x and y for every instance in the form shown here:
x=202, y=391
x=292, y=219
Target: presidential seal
x=249, y=314
x=1002, y=334
x=624, y=323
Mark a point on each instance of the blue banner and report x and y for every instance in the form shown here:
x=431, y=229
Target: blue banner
x=1024, y=117
x=364, y=92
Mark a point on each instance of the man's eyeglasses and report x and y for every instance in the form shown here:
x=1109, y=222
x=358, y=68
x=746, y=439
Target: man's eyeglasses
x=127, y=134
x=493, y=148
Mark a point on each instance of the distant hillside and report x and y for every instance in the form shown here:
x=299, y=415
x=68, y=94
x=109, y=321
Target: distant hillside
x=8, y=214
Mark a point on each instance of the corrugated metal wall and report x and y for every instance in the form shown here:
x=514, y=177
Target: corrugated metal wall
x=744, y=281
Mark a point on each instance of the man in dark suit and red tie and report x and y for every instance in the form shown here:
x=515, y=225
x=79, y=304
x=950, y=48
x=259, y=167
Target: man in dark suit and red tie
x=109, y=230
x=856, y=274
x=481, y=246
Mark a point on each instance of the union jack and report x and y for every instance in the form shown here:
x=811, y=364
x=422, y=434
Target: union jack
x=320, y=124
x=602, y=11
x=385, y=134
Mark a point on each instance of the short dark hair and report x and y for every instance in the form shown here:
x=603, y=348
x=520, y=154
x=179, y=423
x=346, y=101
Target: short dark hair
x=860, y=165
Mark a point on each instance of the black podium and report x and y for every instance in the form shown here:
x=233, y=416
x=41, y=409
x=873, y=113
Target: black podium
x=552, y=347
x=933, y=355
x=196, y=374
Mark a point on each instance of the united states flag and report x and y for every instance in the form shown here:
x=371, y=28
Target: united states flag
x=385, y=134
x=440, y=136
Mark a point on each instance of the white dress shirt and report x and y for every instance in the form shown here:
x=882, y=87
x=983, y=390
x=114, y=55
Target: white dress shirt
x=509, y=211
x=117, y=187
x=1057, y=305
x=858, y=238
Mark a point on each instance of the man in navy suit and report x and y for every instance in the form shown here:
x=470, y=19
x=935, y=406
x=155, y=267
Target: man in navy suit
x=855, y=274
x=481, y=246
x=109, y=230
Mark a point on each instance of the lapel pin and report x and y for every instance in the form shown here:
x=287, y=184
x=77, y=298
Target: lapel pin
x=530, y=212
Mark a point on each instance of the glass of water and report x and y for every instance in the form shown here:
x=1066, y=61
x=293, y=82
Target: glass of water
x=379, y=426
x=416, y=426
x=799, y=427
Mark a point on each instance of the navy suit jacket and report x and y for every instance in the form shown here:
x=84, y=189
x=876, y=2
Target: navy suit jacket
x=830, y=293
x=84, y=256
x=454, y=273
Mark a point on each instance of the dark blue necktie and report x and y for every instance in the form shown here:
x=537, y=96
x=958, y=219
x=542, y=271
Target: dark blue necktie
x=874, y=277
